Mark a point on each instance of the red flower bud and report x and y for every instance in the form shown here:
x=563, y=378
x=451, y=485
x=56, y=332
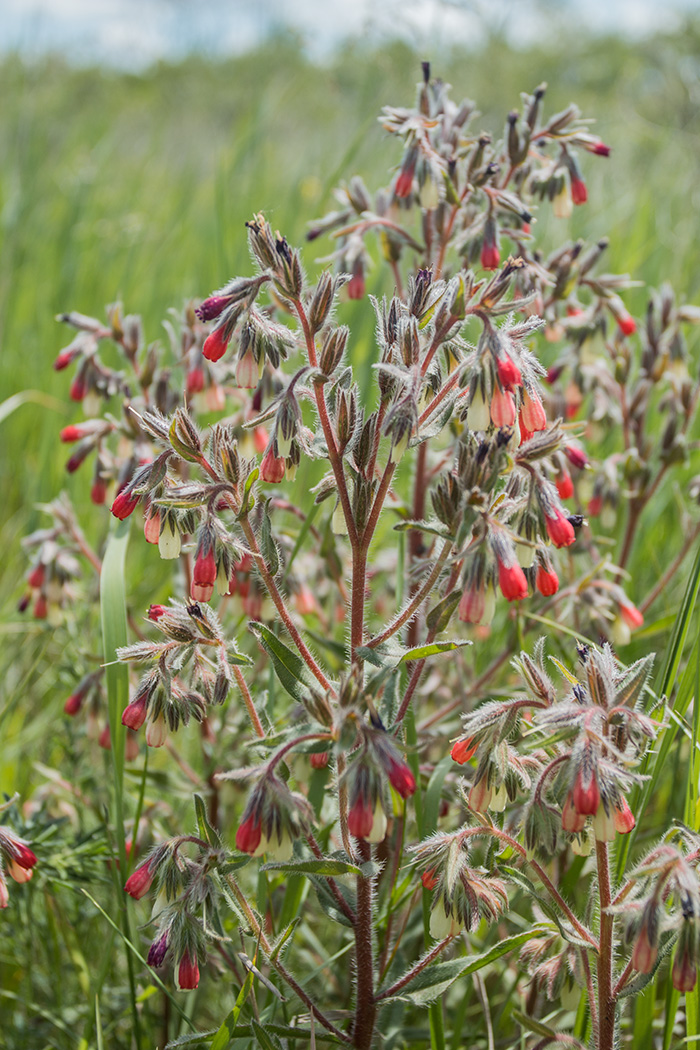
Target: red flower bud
x=463, y=750
x=595, y=505
x=685, y=972
x=249, y=834
x=204, y=577
x=512, y=582
x=188, y=972
x=195, y=381
x=74, y=703
x=361, y=818
x=155, y=612
x=40, y=610
x=134, y=714
x=210, y=309
x=151, y=528
x=36, y=576
x=401, y=778
x=576, y=456
x=631, y=615
x=63, y=360
x=429, y=879
x=508, y=372
x=272, y=467
x=586, y=794
x=356, y=284
x=78, y=389
x=21, y=854
x=105, y=739
x=98, y=492
x=72, y=433
x=579, y=193
x=140, y=881
x=565, y=486
x=319, y=759
x=546, y=581
x=215, y=345
x=124, y=504
x=560, y=530
x=490, y=255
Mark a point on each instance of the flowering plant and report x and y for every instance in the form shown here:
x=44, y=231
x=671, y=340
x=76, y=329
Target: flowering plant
x=457, y=493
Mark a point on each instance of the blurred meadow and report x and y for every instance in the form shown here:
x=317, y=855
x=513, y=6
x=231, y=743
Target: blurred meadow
x=136, y=187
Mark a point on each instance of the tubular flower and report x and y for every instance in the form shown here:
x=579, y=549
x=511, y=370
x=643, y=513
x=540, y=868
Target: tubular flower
x=559, y=529
x=512, y=581
x=463, y=750
x=215, y=345
x=188, y=972
x=532, y=412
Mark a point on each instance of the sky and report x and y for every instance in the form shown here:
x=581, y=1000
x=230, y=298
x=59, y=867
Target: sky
x=131, y=34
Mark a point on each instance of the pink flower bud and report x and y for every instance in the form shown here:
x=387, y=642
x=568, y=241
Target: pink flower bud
x=560, y=530
x=249, y=834
x=471, y=605
x=624, y=817
x=631, y=615
x=319, y=759
x=17, y=872
x=480, y=795
x=512, y=581
x=151, y=528
x=502, y=408
x=105, y=739
x=124, y=504
x=685, y=972
x=571, y=820
x=260, y=439
x=356, y=285
x=546, y=581
x=187, y=973
x=155, y=612
x=247, y=374
x=598, y=147
x=644, y=954
x=140, y=881
x=463, y=750
x=215, y=345
x=532, y=412
x=595, y=505
x=272, y=467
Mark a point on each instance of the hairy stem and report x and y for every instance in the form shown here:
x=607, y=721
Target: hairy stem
x=365, y=1003
x=248, y=701
x=606, y=994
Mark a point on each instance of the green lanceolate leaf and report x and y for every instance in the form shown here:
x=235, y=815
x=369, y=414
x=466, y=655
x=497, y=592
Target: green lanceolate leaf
x=288, y=665
x=206, y=831
x=267, y=543
x=329, y=867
